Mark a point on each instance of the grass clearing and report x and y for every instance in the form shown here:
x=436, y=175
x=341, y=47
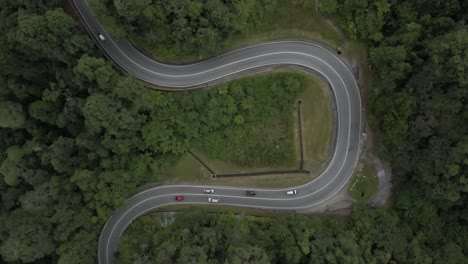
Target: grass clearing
x=316, y=131
x=282, y=22
x=355, y=53
x=364, y=183
x=317, y=125
x=267, y=181
x=222, y=167
x=316, y=122
x=187, y=169
x=286, y=21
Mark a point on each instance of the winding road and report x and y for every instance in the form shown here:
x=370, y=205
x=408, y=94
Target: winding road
x=311, y=56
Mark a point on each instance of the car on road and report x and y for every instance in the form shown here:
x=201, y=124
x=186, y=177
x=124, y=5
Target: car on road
x=101, y=37
x=179, y=198
x=291, y=192
x=250, y=193
x=213, y=200
x=208, y=190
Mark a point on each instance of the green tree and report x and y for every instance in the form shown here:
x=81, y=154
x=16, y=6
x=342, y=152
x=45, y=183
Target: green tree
x=328, y=6
x=36, y=200
x=131, y=9
x=96, y=74
x=104, y=115
x=390, y=62
x=52, y=35
x=29, y=237
x=252, y=254
x=44, y=111
x=11, y=115
x=449, y=57
x=11, y=172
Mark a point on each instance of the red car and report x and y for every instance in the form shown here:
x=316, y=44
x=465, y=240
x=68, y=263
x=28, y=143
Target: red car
x=179, y=198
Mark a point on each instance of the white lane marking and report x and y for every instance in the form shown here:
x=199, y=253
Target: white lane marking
x=214, y=68
x=337, y=104
x=272, y=199
x=244, y=48
x=211, y=69
x=308, y=206
x=273, y=190
x=349, y=113
x=275, y=42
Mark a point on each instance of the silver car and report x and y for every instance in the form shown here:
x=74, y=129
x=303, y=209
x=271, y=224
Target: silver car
x=208, y=190
x=213, y=200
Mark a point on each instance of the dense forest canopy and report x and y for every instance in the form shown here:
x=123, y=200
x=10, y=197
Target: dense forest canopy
x=188, y=27
x=369, y=236
x=419, y=101
x=77, y=137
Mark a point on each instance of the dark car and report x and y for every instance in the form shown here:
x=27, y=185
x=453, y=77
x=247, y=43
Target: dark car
x=250, y=193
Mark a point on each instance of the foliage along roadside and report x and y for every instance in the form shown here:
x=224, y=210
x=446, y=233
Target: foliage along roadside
x=77, y=137
x=186, y=28
x=67, y=166
x=419, y=52
x=369, y=236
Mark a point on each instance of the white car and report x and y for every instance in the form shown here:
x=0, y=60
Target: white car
x=208, y=190
x=291, y=192
x=213, y=200
x=102, y=37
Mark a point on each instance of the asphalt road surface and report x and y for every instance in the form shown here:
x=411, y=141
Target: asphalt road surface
x=241, y=62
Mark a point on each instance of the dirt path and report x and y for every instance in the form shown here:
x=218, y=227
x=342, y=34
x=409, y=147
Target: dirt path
x=384, y=174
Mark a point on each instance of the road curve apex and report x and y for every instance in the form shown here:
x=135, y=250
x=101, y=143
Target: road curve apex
x=234, y=64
